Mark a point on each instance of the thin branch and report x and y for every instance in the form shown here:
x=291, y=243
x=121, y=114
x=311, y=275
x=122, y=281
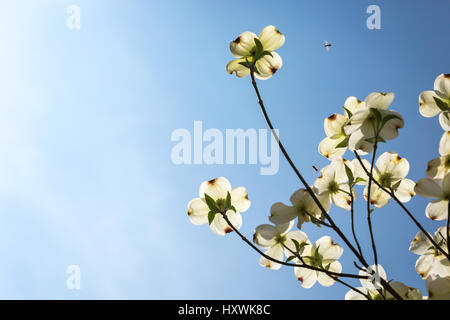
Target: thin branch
x=393, y=196
x=296, y=254
x=330, y=273
x=352, y=215
x=448, y=229
x=297, y=172
x=385, y=284
x=369, y=210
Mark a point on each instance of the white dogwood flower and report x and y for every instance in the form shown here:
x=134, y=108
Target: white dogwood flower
x=248, y=47
x=390, y=171
x=440, y=166
x=277, y=240
x=437, y=101
x=431, y=262
x=374, y=120
x=372, y=286
x=218, y=189
x=334, y=183
x=303, y=207
x=438, y=288
x=323, y=254
x=336, y=142
x=437, y=190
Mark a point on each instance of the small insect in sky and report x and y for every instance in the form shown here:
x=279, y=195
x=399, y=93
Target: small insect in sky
x=327, y=45
x=315, y=168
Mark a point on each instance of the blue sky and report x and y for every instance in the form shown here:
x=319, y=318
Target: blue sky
x=86, y=118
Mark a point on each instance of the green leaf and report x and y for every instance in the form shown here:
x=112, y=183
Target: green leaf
x=396, y=185
x=259, y=49
x=377, y=114
x=211, y=216
x=380, y=139
x=290, y=258
x=211, y=204
x=228, y=200
x=349, y=113
x=245, y=64
x=266, y=53
x=297, y=245
x=343, y=143
x=349, y=173
x=441, y=104
x=359, y=179
x=370, y=140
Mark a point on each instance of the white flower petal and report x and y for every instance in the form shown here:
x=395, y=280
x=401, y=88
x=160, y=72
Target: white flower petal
x=420, y=244
x=324, y=279
x=379, y=100
x=357, y=141
x=437, y=210
x=215, y=188
x=428, y=188
x=407, y=293
x=442, y=85
x=268, y=65
x=391, y=162
x=438, y=289
x=405, y=190
x=390, y=129
x=378, y=197
x=359, y=171
x=271, y=38
x=444, y=144
x=297, y=235
x=424, y=265
x=243, y=45
x=342, y=200
x=235, y=66
x=281, y=213
x=353, y=104
x=239, y=199
x=198, y=211
x=284, y=228
x=353, y=295
x=307, y=277
x=327, y=147
x=264, y=235
x=328, y=249
x=275, y=252
x=334, y=124
x=436, y=168
x=220, y=227
x=427, y=105
x=444, y=120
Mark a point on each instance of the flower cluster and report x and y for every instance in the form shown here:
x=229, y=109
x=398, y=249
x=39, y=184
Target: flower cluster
x=433, y=265
x=362, y=127
x=256, y=52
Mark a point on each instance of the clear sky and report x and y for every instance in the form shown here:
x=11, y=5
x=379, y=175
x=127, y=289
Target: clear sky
x=86, y=117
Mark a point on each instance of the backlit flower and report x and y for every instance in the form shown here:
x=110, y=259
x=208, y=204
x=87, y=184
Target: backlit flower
x=437, y=101
x=246, y=50
x=218, y=190
x=277, y=240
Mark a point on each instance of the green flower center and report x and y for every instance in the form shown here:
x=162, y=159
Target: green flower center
x=385, y=179
x=221, y=204
x=280, y=239
x=447, y=162
x=333, y=187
